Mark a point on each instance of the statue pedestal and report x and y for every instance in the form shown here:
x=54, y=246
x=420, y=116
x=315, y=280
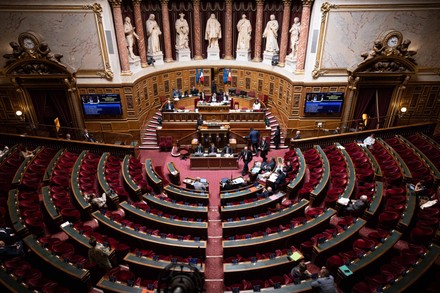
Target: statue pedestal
x=243, y=55
x=183, y=54
x=135, y=63
x=290, y=63
x=213, y=53
x=269, y=56
x=157, y=57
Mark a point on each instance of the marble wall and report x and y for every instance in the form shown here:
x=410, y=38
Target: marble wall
x=351, y=32
x=70, y=31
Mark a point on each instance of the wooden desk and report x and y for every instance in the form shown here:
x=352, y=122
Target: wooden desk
x=52, y=211
x=48, y=173
x=74, y=184
x=184, y=210
x=14, y=214
x=153, y=179
x=210, y=107
x=294, y=185
x=213, y=163
x=174, y=173
x=12, y=284
x=322, y=185
x=133, y=187
x=158, y=265
x=186, y=194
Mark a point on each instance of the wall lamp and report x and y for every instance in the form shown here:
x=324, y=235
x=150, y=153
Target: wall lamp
x=19, y=115
x=402, y=111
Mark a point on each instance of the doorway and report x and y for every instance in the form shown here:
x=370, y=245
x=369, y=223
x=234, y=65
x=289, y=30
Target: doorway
x=372, y=106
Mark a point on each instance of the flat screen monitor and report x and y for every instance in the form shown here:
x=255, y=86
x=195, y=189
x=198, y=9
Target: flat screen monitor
x=324, y=103
x=101, y=104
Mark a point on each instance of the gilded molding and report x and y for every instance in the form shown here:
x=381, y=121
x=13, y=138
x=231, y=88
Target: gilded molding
x=228, y=2
x=196, y=2
x=136, y=2
x=307, y=2
x=259, y=2
x=164, y=2
x=97, y=9
x=115, y=3
x=325, y=9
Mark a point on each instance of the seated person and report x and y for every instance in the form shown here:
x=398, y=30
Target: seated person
x=202, y=97
x=228, y=185
x=10, y=244
x=168, y=107
x=287, y=168
x=300, y=271
x=200, y=149
x=4, y=151
x=337, y=130
x=280, y=179
x=27, y=153
x=268, y=167
x=256, y=106
x=213, y=98
x=175, y=94
x=99, y=255
x=369, y=141
x=227, y=150
x=194, y=91
x=325, y=282
x=199, y=121
x=198, y=185
x=96, y=201
x=212, y=149
x=186, y=95
x=357, y=207
x=266, y=192
x=225, y=98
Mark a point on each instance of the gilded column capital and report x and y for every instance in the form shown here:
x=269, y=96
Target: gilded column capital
x=287, y=2
x=164, y=2
x=115, y=3
x=307, y=2
x=196, y=2
x=136, y=2
x=259, y=2
x=228, y=2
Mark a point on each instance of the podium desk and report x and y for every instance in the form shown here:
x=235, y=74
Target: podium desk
x=213, y=162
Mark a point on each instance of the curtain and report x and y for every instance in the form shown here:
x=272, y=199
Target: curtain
x=38, y=98
x=366, y=96
x=59, y=99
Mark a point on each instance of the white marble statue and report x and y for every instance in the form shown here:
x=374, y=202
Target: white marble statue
x=244, y=28
x=182, y=30
x=271, y=34
x=294, y=36
x=130, y=34
x=153, y=33
x=213, y=31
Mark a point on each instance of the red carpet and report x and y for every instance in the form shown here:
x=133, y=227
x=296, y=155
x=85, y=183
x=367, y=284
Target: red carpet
x=214, y=251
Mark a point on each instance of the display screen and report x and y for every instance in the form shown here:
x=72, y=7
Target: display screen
x=324, y=103
x=103, y=104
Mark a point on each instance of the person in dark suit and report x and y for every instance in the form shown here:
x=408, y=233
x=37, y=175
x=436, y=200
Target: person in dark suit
x=199, y=121
x=264, y=147
x=268, y=167
x=246, y=156
x=87, y=136
x=357, y=207
x=200, y=148
x=297, y=135
x=194, y=91
x=280, y=179
x=227, y=149
x=266, y=192
x=254, y=137
x=287, y=169
x=212, y=149
x=277, y=137
x=202, y=97
x=168, y=107
x=227, y=185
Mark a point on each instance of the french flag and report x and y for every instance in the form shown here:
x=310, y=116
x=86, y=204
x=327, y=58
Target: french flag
x=201, y=77
x=229, y=76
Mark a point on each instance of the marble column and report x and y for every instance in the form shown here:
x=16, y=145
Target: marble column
x=258, y=31
x=284, y=33
x=197, y=31
x=140, y=32
x=228, y=30
x=303, y=35
x=120, y=37
x=166, y=31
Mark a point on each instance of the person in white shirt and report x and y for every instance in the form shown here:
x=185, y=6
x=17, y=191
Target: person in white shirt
x=370, y=140
x=256, y=106
x=98, y=202
x=198, y=185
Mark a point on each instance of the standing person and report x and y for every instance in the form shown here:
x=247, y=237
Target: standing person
x=264, y=147
x=99, y=254
x=277, y=137
x=254, y=137
x=182, y=30
x=246, y=156
x=153, y=33
x=244, y=33
x=325, y=282
x=130, y=34
x=213, y=31
x=271, y=35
